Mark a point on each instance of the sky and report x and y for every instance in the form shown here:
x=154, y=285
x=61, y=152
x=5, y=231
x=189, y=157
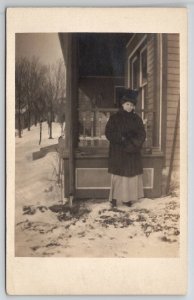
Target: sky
x=45, y=46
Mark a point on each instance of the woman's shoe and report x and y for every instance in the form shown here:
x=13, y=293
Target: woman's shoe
x=129, y=203
x=113, y=203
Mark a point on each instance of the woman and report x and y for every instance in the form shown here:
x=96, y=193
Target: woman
x=126, y=134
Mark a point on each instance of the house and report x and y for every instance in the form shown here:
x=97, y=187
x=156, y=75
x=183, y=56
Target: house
x=98, y=66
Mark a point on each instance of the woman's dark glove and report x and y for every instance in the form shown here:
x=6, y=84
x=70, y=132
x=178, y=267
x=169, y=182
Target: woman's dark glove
x=129, y=147
x=123, y=139
x=128, y=135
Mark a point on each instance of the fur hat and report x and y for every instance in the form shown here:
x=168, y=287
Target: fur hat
x=129, y=96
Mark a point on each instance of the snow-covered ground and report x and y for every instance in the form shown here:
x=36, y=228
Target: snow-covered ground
x=45, y=227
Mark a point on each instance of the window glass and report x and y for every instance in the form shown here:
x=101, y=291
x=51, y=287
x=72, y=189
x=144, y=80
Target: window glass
x=143, y=66
x=135, y=73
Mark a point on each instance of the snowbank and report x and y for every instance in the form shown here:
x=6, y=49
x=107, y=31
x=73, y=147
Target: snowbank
x=45, y=227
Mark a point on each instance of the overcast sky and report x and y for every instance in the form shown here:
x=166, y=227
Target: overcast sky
x=45, y=46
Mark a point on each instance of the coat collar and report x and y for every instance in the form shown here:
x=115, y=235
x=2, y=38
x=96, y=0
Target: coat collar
x=126, y=113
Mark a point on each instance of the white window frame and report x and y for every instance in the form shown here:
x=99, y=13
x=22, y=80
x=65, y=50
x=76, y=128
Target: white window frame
x=130, y=56
x=132, y=73
x=141, y=85
x=141, y=51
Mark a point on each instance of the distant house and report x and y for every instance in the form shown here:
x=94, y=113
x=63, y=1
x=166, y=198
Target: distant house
x=98, y=67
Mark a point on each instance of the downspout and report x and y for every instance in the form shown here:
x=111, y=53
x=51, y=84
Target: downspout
x=173, y=148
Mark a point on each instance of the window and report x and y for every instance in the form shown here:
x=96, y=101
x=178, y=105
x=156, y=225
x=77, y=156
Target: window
x=138, y=79
x=141, y=60
x=135, y=73
x=138, y=71
x=143, y=81
x=143, y=66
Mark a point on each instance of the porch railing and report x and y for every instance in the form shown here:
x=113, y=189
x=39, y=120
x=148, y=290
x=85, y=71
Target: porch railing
x=92, y=125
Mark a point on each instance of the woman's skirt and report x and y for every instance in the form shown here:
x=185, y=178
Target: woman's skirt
x=125, y=189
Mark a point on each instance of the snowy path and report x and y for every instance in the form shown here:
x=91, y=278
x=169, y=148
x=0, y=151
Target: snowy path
x=90, y=229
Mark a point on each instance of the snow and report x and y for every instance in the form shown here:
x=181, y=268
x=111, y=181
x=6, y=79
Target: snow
x=47, y=227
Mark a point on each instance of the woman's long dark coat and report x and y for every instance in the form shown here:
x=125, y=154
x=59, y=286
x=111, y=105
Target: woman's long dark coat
x=126, y=134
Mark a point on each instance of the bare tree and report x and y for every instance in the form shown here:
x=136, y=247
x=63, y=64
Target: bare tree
x=32, y=86
x=42, y=105
x=29, y=79
x=36, y=87
x=40, y=92
x=20, y=90
x=55, y=90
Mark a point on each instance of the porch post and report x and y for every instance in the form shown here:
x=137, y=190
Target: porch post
x=68, y=44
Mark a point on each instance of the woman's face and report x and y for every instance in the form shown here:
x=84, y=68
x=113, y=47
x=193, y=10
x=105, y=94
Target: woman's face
x=128, y=106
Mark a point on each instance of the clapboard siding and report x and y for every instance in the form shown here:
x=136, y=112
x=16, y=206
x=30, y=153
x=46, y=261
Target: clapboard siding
x=177, y=153
x=174, y=77
x=176, y=156
x=173, y=98
x=172, y=71
x=176, y=164
x=173, y=84
x=173, y=44
x=173, y=57
x=172, y=104
x=172, y=50
x=172, y=110
x=171, y=118
x=170, y=131
x=173, y=37
x=173, y=64
x=170, y=139
x=170, y=123
x=173, y=90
